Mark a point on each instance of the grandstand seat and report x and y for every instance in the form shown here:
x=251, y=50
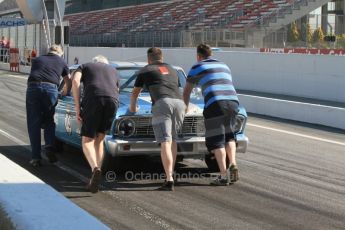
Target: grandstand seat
x=174, y=15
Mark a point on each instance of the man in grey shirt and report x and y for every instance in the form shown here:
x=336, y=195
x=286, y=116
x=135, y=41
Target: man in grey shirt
x=168, y=108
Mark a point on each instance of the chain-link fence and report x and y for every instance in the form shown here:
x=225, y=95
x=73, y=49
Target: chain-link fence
x=221, y=38
x=310, y=31
x=130, y=39
x=316, y=31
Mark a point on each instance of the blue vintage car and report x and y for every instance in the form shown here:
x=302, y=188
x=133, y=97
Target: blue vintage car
x=132, y=135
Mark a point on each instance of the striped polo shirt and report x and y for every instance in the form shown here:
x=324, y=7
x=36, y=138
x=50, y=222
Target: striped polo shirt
x=215, y=80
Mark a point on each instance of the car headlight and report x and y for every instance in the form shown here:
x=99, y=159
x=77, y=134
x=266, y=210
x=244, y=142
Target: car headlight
x=126, y=127
x=238, y=123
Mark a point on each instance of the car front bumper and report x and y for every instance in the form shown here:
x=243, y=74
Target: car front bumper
x=192, y=147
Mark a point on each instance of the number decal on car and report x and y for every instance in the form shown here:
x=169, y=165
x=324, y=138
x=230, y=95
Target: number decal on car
x=68, y=125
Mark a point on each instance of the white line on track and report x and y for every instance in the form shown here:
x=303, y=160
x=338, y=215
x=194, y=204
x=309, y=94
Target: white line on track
x=297, y=134
x=15, y=76
x=9, y=136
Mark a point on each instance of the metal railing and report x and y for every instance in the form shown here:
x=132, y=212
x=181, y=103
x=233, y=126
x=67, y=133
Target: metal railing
x=216, y=38
x=263, y=21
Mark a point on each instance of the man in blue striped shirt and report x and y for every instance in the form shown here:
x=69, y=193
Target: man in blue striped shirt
x=221, y=107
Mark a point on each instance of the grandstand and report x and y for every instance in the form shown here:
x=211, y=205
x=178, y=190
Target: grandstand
x=8, y=5
x=186, y=22
x=176, y=23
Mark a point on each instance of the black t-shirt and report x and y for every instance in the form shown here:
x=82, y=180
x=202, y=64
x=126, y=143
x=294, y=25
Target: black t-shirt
x=48, y=68
x=99, y=80
x=161, y=80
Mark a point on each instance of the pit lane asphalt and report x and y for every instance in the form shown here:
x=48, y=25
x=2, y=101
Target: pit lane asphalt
x=292, y=177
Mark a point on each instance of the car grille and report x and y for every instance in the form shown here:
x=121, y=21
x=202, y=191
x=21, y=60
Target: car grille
x=192, y=126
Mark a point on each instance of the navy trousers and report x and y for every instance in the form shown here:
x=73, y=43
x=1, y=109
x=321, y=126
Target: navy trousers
x=41, y=99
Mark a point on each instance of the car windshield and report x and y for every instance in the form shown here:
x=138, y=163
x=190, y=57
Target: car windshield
x=128, y=76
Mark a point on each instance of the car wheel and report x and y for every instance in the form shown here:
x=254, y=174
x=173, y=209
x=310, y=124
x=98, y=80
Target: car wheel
x=58, y=145
x=212, y=164
x=179, y=158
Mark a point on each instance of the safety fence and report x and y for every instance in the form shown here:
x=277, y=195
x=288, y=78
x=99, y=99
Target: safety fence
x=160, y=38
x=23, y=42
x=218, y=38
x=310, y=31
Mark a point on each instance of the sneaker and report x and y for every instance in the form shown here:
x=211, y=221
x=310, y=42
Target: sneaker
x=167, y=186
x=35, y=163
x=95, y=180
x=233, y=170
x=219, y=181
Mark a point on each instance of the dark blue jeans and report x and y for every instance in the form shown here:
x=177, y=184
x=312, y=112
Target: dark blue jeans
x=41, y=99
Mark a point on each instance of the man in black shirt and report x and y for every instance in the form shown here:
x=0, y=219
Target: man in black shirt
x=96, y=111
x=41, y=99
x=168, y=108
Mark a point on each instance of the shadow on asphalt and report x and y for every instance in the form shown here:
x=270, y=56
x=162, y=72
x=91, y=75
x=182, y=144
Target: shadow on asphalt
x=133, y=187
x=136, y=173
x=49, y=173
x=146, y=174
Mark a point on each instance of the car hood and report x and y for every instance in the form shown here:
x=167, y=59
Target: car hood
x=144, y=102
x=196, y=105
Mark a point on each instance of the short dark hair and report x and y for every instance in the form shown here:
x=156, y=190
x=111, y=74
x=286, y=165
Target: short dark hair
x=204, y=50
x=154, y=54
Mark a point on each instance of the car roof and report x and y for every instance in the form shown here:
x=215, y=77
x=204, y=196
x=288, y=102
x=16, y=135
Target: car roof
x=120, y=64
x=216, y=49
x=123, y=64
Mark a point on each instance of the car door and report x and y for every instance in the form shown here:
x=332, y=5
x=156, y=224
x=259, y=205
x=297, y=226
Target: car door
x=67, y=127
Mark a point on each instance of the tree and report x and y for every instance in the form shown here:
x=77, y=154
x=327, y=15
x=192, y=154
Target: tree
x=293, y=33
x=318, y=35
x=306, y=33
x=309, y=34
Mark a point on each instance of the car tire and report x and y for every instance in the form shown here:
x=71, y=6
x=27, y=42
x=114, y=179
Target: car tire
x=212, y=164
x=179, y=158
x=58, y=145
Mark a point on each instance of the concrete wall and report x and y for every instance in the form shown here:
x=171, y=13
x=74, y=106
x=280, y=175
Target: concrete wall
x=312, y=76
x=297, y=111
